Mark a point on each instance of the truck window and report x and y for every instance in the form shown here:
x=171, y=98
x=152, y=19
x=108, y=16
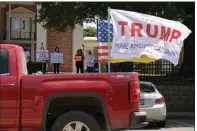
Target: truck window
x=24, y=63
x=4, y=64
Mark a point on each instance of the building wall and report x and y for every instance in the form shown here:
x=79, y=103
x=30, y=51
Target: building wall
x=41, y=33
x=31, y=7
x=68, y=42
x=20, y=14
x=1, y=23
x=20, y=11
x=63, y=40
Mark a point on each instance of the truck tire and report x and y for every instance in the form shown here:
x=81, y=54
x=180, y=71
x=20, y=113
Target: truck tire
x=75, y=121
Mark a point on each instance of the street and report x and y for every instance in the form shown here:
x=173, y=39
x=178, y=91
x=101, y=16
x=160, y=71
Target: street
x=172, y=125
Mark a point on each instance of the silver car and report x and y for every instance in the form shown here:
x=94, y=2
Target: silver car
x=153, y=103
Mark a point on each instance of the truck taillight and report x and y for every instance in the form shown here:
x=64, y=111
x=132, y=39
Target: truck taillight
x=159, y=101
x=135, y=91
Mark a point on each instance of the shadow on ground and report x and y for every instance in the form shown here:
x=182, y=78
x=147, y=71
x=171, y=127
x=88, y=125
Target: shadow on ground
x=171, y=123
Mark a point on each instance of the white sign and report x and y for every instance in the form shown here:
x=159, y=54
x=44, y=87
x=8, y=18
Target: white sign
x=136, y=34
x=57, y=57
x=42, y=55
x=90, y=60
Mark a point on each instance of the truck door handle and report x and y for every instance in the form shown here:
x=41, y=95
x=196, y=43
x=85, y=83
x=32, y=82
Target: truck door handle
x=7, y=85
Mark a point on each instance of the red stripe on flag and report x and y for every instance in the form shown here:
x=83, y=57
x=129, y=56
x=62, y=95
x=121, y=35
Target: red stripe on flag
x=103, y=54
x=103, y=47
x=103, y=61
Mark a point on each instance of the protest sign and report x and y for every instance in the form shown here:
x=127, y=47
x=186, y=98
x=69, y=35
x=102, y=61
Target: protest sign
x=42, y=55
x=78, y=58
x=56, y=57
x=136, y=34
x=90, y=60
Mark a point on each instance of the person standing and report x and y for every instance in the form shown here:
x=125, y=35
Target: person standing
x=90, y=61
x=43, y=63
x=28, y=58
x=27, y=55
x=56, y=65
x=79, y=58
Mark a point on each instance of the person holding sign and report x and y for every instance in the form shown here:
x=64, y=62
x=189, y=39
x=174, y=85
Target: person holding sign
x=56, y=65
x=79, y=57
x=90, y=61
x=42, y=57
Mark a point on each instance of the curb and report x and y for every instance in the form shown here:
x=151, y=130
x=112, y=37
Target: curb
x=60, y=72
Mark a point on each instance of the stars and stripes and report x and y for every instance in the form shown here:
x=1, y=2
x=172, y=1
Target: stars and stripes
x=102, y=36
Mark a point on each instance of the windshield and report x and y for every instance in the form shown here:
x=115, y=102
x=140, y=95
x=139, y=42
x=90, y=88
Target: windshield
x=24, y=64
x=146, y=87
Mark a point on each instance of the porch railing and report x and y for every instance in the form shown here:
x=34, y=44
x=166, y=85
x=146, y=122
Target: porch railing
x=20, y=35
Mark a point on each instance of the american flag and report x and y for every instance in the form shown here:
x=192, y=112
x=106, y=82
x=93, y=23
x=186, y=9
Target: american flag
x=102, y=37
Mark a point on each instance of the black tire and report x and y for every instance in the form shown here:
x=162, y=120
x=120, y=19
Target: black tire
x=161, y=124
x=68, y=117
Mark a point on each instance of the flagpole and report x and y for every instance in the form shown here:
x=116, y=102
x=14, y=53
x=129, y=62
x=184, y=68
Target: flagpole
x=99, y=64
x=109, y=65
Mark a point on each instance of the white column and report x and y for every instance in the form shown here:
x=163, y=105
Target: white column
x=32, y=51
x=2, y=9
x=9, y=30
x=33, y=28
x=1, y=24
x=41, y=33
x=77, y=42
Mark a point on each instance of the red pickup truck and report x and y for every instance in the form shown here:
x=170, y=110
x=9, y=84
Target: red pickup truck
x=65, y=102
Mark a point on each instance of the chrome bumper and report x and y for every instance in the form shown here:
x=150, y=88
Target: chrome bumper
x=138, y=120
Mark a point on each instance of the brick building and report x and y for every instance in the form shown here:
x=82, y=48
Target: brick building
x=18, y=26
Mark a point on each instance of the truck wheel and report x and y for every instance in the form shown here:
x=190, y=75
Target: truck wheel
x=75, y=121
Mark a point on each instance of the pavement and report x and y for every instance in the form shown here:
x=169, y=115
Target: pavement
x=186, y=124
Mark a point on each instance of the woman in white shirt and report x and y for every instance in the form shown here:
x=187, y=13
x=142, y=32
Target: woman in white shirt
x=90, y=61
x=27, y=55
x=43, y=64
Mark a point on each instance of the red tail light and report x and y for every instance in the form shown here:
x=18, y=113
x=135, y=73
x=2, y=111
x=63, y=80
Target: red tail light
x=135, y=91
x=159, y=101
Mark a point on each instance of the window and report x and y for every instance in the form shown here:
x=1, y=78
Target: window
x=146, y=87
x=4, y=64
x=20, y=28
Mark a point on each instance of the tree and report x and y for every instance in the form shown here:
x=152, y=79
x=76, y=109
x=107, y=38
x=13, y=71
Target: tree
x=61, y=15
x=188, y=67
x=89, y=32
